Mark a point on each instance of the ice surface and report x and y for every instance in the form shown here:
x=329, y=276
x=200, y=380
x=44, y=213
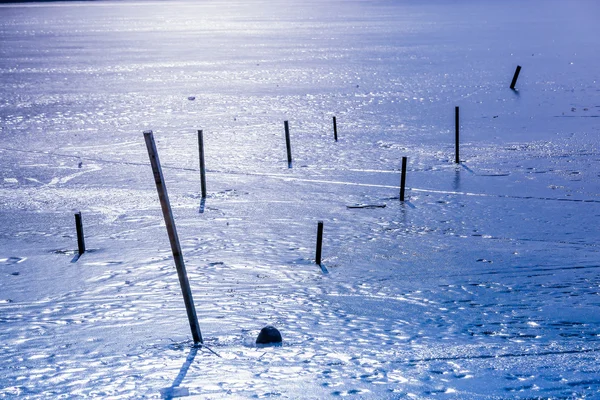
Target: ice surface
x=484, y=284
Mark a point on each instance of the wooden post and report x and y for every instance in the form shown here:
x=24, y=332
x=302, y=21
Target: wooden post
x=173, y=238
x=287, y=143
x=202, y=168
x=80, y=238
x=335, y=129
x=319, y=242
x=456, y=136
x=403, y=179
x=515, y=77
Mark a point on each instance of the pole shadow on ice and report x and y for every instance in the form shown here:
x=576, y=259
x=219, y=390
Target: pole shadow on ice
x=175, y=390
x=456, y=181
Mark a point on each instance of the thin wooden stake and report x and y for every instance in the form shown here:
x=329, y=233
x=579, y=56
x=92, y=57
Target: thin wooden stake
x=80, y=237
x=202, y=168
x=287, y=142
x=403, y=179
x=173, y=238
x=335, y=129
x=515, y=77
x=456, y=136
x=319, y=242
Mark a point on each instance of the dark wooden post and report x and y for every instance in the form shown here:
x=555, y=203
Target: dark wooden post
x=173, y=238
x=403, y=179
x=80, y=238
x=456, y=136
x=202, y=168
x=319, y=242
x=335, y=129
x=287, y=143
x=515, y=77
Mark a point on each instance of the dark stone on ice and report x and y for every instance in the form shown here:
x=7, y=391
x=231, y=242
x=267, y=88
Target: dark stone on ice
x=269, y=335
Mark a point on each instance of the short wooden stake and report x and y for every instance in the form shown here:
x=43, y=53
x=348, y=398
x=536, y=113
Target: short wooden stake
x=403, y=179
x=456, y=136
x=287, y=142
x=80, y=238
x=202, y=168
x=173, y=238
x=335, y=129
x=515, y=77
x=319, y=242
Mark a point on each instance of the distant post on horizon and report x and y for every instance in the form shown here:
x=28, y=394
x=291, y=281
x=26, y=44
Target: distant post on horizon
x=287, y=143
x=335, y=129
x=202, y=167
x=456, y=135
x=403, y=178
x=515, y=77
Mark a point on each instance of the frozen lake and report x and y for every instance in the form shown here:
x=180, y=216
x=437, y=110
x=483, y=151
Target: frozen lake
x=485, y=283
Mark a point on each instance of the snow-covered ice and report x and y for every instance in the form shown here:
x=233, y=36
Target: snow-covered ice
x=485, y=283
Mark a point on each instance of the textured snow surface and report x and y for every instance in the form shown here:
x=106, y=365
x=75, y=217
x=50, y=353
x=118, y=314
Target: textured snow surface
x=485, y=283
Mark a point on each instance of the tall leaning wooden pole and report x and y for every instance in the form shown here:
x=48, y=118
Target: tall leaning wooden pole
x=173, y=238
